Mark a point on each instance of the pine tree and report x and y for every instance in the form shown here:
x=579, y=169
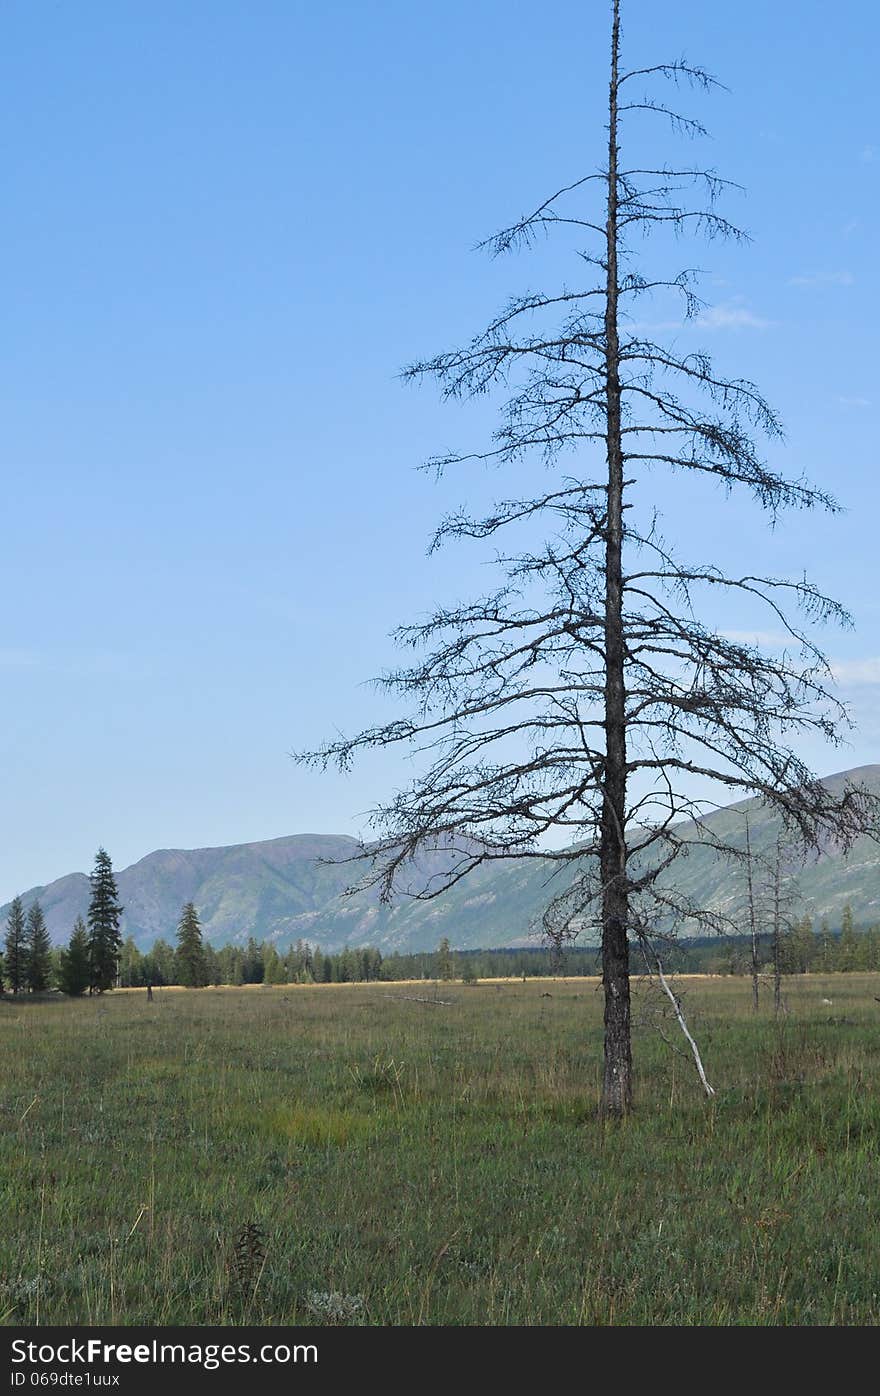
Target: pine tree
x=801, y=947
x=16, y=948
x=39, y=949
x=864, y=949
x=445, y=968
x=874, y=948
x=253, y=967
x=849, y=945
x=827, y=948
x=190, y=958
x=273, y=967
x=105, y=941
x=76, y=965
x=213, y=972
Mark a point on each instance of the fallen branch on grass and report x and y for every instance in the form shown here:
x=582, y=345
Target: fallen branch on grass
x=684, y=1027
x=411, y=998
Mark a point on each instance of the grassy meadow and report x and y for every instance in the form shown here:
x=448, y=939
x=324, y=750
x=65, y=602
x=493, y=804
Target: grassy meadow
x=347, y=1154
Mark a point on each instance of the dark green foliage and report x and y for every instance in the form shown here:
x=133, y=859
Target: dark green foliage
x=800, y=947
x=38, y=950
x=273, y=966
x=230, y=961
x=444, y=960
x=253, y=969
x=105, y=941
x=76, y=965
x=213, y=972
x=848, y=950
x=803, y=951
x=190, y=957
x=15, y=957
x=158, y=966
x=131, y=966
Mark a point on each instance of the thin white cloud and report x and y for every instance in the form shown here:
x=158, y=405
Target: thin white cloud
x=854, y=401
x=771, y=639
x=731, y=317
x=868, y=154
x=728, y=316
x=856, y=672
x=823, y=278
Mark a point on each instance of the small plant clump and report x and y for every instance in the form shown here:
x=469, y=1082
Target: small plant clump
x=248, y=1260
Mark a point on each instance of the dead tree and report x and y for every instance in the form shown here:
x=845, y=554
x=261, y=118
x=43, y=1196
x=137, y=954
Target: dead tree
x=782, y=898
x=777, y=930
x=753, y=917
x=582, y=695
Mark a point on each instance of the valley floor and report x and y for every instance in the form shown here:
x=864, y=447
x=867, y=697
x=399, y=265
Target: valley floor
x=351, y=1154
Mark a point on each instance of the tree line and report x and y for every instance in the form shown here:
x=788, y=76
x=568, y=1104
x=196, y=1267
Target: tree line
x=805, y=948
x=94, y=957
x=97, y=959
x=90, y=961
x=823, y=949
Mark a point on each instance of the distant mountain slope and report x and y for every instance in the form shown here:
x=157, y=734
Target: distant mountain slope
x=283, y=891
x=824, y=885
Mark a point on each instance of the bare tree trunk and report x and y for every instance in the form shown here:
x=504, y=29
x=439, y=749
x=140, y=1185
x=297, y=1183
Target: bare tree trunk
x=617, y=1080
x=613, y=656
x=753, y=922
x=777, y=937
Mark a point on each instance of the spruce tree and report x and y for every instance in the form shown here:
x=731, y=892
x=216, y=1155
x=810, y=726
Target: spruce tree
x=16, y=948
x=254, y=969
x=318, y=965
x=872, y=941
x=190, y=958
x=445, y=967
x=273, y=967
x=76, y=964
x=849, y=943
x=39, y=948
x=213, y=971
x=105, y=941
x=828, y=957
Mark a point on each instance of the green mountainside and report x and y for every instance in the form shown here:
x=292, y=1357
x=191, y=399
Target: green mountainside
x=283, y=890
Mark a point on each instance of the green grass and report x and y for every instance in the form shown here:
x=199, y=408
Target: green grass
x=410, y=1163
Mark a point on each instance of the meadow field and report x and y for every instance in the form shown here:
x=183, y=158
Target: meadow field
x=348, y=1154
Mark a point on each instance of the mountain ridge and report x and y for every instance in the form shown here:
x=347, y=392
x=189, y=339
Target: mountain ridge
x=292, y=887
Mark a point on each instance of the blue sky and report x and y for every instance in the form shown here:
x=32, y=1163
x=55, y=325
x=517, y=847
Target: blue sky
x=227, y=226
